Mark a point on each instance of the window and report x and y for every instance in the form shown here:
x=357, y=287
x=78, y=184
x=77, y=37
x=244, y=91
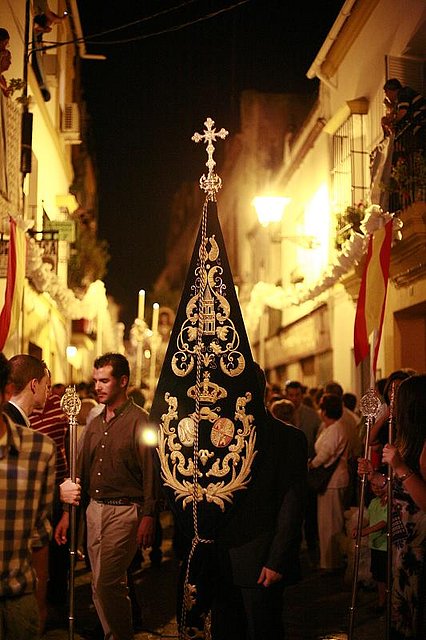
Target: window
x=350, y=172
x=409, y=71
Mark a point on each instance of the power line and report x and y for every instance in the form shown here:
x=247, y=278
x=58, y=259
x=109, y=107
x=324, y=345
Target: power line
x=171, y=29
x=89, y=39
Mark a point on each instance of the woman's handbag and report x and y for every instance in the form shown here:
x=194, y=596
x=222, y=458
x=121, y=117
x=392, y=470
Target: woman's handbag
x=319, y=477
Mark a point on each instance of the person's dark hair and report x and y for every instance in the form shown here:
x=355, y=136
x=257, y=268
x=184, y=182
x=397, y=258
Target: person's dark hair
x=24, y=368
x=119, y=364
x=319, y=394
x=4, y=372
x=41, y=20
x=58, y=388
x=349, y=400
x=4, y=34
x=275, y=397
x=410, y=418
x=308, y=401
x=398, y=374
x=332, y=405
x=283, y=410
x=293, y=384
x=334, y=388
x=393, y=84
x=380, y=386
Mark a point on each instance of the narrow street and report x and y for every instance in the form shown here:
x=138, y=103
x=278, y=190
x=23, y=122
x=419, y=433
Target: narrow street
x=315, y=609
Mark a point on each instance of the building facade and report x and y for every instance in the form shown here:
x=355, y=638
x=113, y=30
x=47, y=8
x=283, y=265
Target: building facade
x=49, y=187
x=298, y=277
x=328, y=173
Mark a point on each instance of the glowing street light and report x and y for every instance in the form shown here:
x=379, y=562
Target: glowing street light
x=71, y=353
x=270, y=209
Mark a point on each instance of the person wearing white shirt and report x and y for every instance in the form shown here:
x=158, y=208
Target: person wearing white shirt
x=332, y=443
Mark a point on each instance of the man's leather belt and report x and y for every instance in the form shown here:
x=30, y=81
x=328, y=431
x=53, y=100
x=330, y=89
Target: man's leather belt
x=119, y=502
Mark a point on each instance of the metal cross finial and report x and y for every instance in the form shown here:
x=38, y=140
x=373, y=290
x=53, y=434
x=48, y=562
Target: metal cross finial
x=212, y=183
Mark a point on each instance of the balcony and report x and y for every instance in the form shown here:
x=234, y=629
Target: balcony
x=407, y=183
x=408, y=258
x=405, y=197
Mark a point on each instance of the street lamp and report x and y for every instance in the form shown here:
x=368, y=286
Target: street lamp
x=270, y=209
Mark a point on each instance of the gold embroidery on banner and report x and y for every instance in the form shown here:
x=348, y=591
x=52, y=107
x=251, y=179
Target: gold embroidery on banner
x=208, y=414
x=190, y=596
x=176, y=469
x=204, y=455
x=246, y=420
x=220, y=339
x=186, y=431
x=213, y=253
x=222, y=432
x=175, y=455
x=209, y=392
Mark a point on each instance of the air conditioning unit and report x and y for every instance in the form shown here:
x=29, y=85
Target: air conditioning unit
x=70, y=123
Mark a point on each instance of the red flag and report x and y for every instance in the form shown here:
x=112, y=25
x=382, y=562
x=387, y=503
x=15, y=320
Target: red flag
x=370, y=309
x=15, y=283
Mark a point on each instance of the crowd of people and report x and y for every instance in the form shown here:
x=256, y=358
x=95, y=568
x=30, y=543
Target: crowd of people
x=397, y=452
x=118, y=485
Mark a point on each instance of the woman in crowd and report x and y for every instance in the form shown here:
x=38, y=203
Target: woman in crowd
x=408, y=461
x=332, y=443
x=380, y=429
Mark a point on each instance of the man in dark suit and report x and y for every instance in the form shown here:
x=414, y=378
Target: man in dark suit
x=30, y=381
x=259, y=547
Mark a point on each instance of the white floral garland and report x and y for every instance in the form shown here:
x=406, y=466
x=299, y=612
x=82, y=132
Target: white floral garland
x=265, y=294
x=44, y=279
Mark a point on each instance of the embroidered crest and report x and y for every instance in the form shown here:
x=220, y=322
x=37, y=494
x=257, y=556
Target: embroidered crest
x=177, y=469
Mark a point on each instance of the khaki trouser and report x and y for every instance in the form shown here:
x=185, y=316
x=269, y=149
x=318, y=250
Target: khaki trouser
x=111, y=544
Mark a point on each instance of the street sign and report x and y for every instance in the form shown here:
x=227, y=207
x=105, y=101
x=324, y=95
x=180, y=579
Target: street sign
x=65, y=229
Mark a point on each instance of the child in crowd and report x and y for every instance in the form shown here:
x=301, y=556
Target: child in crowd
x=376, y=530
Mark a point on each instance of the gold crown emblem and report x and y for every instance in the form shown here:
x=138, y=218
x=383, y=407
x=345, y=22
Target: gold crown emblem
x=209, y=392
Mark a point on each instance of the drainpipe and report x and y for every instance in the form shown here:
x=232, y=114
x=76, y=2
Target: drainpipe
x=27, y=117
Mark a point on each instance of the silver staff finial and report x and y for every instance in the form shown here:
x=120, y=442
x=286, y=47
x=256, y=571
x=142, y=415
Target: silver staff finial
x=70, y=402
x=212, y=183
x=369, y=404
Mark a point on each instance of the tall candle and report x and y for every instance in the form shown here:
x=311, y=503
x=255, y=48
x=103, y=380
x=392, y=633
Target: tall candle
x=141, y=304
x=155, y=314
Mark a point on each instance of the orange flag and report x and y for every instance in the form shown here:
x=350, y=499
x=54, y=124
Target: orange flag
x=11, y=311
x=370, y=309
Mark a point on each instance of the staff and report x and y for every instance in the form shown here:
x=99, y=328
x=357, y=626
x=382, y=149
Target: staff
x=389, y=518
x=71, y=405
x=369, y=406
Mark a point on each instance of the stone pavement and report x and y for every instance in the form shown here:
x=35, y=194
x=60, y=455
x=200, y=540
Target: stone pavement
x=315, y=609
